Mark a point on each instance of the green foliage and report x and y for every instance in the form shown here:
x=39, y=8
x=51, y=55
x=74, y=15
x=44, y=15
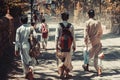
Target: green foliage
x=13, y=5
x=15, y=11
x=3, y=8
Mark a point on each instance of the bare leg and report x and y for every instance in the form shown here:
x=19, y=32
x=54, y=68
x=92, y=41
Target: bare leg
x=61, y=71
x=97, y=65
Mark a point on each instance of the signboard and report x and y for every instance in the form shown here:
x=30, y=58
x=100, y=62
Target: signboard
x=45, y=1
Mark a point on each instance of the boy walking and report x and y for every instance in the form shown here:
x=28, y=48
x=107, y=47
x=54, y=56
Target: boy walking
x=44, y=30
x=64, y=43
x=93, y=34
x=22, y=46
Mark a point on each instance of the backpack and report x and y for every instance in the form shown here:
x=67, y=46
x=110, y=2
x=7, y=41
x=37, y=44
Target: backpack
x=66, y=38
x=44, y=31
x=34, y=46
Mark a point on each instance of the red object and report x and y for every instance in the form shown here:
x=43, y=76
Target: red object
x=29, y=76
x=101, y=55
x=44, y=31
x=66, y=38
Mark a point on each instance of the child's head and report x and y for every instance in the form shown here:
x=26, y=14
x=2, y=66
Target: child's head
x=65, y=16
x=41, y=13
x=91, y=13
x=24, y=19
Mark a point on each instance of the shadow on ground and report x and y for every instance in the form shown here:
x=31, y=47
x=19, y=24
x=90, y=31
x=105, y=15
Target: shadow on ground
x=78, y=55
x=109, y=36
x=112, y=56
x=45, y=76
x=80, y=75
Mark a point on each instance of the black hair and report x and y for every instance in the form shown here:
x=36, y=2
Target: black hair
x=91, y=13
x=43, y=20
x=41, y=13
x=33, y=23
x=65, y=16
x=24, y=19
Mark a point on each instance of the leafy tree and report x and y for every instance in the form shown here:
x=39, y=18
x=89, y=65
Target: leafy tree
x=3, y=8
x=13, y=5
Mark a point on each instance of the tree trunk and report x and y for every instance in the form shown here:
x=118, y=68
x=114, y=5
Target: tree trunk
x=115, y=29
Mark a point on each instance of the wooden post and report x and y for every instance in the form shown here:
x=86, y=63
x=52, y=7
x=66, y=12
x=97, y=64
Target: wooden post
x=100, y=6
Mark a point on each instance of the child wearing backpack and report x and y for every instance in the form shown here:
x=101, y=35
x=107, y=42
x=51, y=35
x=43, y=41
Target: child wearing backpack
x=64, y=44
x=44, y=30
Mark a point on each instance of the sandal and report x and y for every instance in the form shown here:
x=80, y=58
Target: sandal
x=85, y=68
x=29, y=76
x=61, y=76
x=99, y=72
x=68, y=76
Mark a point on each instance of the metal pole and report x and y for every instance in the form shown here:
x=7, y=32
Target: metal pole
x=31, y=10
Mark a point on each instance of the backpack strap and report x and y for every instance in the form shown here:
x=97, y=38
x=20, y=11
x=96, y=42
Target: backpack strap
x=63, y=26
x=43, y=25
x=68, y=25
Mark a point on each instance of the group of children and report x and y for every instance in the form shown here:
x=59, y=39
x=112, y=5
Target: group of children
x=65, y=43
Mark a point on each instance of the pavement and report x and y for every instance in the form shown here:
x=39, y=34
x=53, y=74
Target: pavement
x=47, y=67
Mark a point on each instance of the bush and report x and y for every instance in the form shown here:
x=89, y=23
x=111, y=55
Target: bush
x=3, y=8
